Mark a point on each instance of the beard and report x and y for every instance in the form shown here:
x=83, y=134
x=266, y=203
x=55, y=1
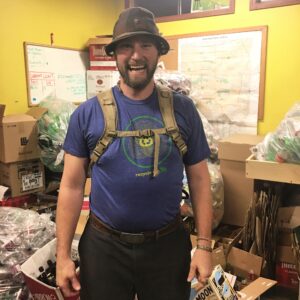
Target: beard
x=137, y=82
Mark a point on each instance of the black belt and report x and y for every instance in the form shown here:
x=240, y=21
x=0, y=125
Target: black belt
x=135, y=238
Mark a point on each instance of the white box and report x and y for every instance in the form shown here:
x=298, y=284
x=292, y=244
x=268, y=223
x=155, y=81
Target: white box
x=99, y=81
x=30, y=270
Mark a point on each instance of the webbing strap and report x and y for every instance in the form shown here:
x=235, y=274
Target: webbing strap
x=147, y=133
x=156, y=154
x=141, y=133
x=165, y=100
x=109, y=109
x=108, y=105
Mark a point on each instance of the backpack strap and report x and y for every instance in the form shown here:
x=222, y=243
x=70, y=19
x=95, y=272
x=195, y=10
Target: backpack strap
x=109, y=109
x=165, y=100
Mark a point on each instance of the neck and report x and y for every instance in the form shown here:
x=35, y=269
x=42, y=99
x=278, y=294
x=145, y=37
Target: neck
x=135, y=94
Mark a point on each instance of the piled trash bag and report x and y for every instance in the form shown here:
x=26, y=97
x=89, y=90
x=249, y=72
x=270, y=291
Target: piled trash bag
x=22, y=232
x=52, y=128
x=283, y=145
x=180, y=83
x=217, y=190
x=176, y=81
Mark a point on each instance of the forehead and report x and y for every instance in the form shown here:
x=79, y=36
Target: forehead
x=138, y=39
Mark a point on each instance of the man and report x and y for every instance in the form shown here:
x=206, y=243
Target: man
x=134, y=242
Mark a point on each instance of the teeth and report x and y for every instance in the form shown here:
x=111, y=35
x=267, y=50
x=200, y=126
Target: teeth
x=135, y=68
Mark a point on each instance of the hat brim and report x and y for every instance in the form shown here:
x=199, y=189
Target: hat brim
x=162, y=43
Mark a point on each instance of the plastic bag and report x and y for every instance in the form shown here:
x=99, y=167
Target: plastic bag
x=283, y=145
x=176, y=81
x=211, y=137
x=52, y=128
x=22, y=232
x=217, y=190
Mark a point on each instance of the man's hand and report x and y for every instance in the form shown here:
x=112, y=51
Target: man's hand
x=66, y=278
x=201, y=267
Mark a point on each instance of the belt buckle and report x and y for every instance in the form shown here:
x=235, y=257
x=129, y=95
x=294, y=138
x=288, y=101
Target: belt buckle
x=132, y=238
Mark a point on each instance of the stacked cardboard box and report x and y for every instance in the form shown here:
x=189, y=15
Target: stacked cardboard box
x=286, y=262
x=98, y=58
x=102, y=73
x=238, y=190
x=99, y=81
x=20, y=167
x=244, y=269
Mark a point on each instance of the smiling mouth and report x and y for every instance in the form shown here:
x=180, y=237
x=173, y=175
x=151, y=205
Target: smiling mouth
x=136, y=68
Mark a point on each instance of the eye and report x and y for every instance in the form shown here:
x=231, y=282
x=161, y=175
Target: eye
x=147, y=45
x=124, y=46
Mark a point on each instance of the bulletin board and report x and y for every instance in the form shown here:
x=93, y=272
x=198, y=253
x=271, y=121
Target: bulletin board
x=55, y=72
x=226, y=63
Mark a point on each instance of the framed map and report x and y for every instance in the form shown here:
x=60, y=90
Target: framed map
x=227, y=72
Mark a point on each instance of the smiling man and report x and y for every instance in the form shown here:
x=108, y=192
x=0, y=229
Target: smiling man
x=137, y=138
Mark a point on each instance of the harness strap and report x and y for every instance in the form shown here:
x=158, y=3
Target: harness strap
x=156, y=154
x=165, y=100
x=109, y=109
x=147, y=133
x=110, y=116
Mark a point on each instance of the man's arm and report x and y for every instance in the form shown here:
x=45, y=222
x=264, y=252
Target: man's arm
x=68, y=210
x=200, y=193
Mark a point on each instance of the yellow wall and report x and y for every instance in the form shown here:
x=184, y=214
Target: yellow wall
x=72, y=22
x=282, y=87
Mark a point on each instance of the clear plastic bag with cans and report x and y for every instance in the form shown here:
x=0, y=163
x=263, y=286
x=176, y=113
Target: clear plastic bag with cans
x=52, y=129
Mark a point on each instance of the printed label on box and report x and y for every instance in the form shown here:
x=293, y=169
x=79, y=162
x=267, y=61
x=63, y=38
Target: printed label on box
x=32, y=181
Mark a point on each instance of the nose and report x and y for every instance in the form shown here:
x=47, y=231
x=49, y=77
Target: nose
x=136, y=51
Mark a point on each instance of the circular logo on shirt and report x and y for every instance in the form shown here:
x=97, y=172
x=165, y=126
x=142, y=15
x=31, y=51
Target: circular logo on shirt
x=140, y=150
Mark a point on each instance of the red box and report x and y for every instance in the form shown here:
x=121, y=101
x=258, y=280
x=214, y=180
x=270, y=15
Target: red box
x=98, y=58
x=18, y=201
x=30, y=270
x=286, y=275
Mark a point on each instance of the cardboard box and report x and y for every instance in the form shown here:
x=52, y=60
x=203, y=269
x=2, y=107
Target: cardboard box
x=99, y=81
x=238, y=190
x=24, y=177
x=286, y=275
x=288, y=218
x=85, y=209
x=84, y=216
x=252, y=291
x=285, y=254
x=30, y=270
x=19, y=136
x=87, y=187
x=241, y=264
x=273, y=171
x=21, y=201
x=98, y=58
x=227, y=236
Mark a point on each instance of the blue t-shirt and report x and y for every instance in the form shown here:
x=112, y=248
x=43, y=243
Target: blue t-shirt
x=124, y=193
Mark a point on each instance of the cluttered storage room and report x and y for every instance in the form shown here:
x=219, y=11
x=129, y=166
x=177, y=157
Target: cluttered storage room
x=96, y=203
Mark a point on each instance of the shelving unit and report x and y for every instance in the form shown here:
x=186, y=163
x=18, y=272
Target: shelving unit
x=272, y=171
x=280, y=173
